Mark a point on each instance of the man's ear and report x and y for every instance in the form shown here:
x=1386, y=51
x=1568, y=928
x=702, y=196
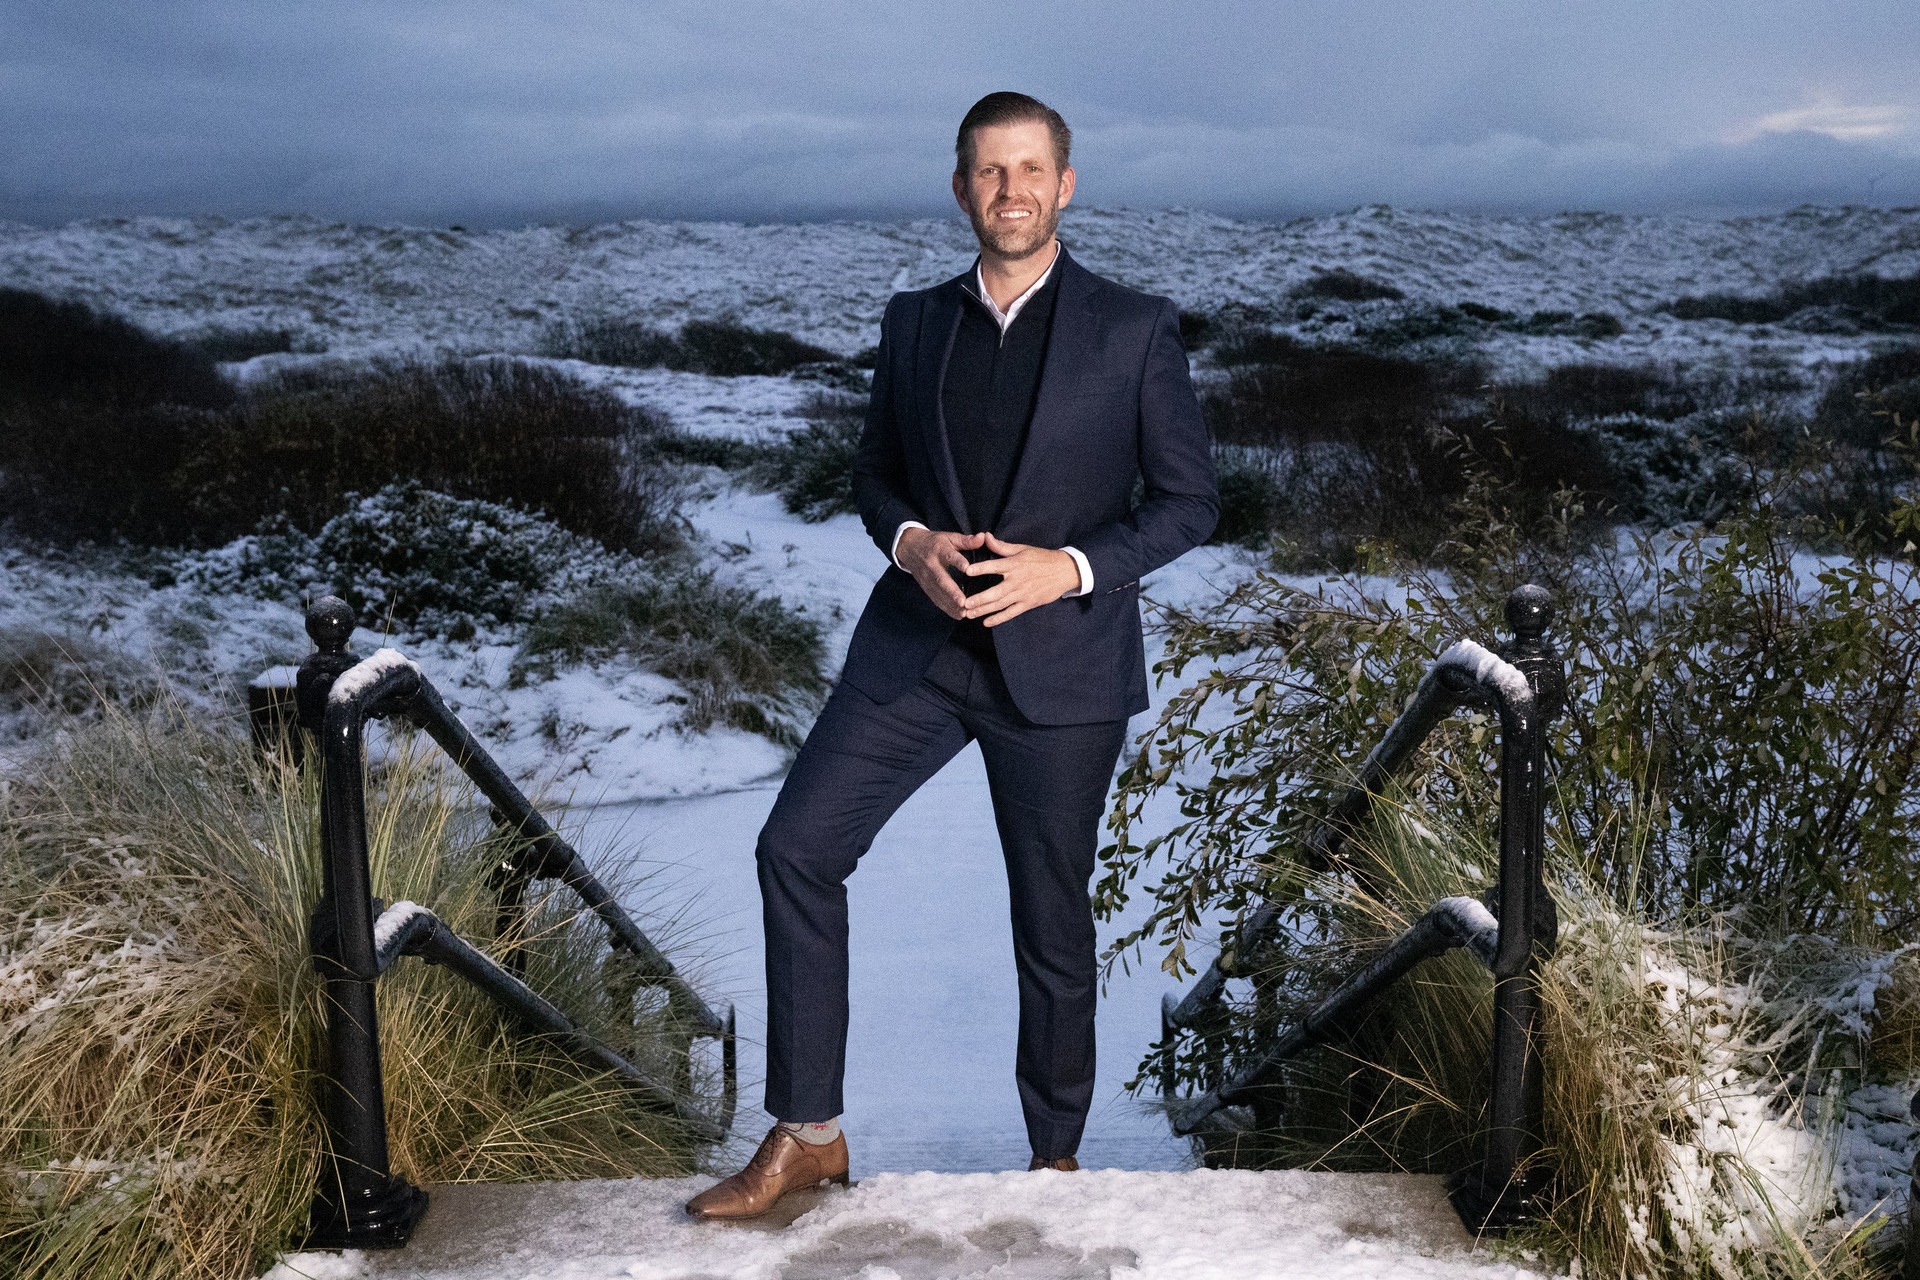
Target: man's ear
x=961, y=194
x=1066, y=187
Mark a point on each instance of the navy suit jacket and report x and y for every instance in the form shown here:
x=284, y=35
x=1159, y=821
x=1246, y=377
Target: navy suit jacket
x=1116, y=463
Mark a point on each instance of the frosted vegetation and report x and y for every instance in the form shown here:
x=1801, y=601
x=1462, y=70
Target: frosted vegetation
x=504, y=447
x=159, y=1010
x=1733, y=1007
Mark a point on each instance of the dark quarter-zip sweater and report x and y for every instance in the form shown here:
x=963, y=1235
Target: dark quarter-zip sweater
x=987, y=398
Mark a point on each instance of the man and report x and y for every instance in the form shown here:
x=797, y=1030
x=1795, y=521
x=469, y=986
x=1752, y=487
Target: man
x=1016, y=411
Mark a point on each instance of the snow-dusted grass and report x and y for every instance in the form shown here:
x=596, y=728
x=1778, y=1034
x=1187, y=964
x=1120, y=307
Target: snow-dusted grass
x=745, y=659
x=1687, y=1133
x=160, y=1014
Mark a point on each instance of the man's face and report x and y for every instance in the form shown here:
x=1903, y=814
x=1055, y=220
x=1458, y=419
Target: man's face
x=1015, y=190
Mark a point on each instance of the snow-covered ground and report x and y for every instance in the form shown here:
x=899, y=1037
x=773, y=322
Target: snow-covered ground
x=930, y=1061
x=361, y=289
x=927, y=1226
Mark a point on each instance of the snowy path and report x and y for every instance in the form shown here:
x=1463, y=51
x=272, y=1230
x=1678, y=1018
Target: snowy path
x=929, y=1226
x=930, y=1051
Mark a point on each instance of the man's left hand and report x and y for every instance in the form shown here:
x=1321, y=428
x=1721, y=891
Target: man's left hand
x=1029, y=577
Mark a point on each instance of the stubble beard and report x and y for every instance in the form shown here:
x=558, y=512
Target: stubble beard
x=1022, y=239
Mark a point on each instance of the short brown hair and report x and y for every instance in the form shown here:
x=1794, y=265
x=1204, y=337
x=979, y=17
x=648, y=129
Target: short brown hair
x=1010, y=108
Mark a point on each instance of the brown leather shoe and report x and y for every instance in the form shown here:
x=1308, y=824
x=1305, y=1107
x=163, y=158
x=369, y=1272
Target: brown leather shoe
x=782, y=1164
x=1065, y=1164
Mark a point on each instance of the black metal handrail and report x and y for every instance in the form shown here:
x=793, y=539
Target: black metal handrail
x=361, y=1203
x=1911, y=1270
x=1525, y=686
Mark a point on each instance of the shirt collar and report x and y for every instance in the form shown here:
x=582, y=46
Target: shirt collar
x=1005, y=318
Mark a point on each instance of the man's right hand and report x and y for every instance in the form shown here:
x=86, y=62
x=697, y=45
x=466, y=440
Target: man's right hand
x=933, y=559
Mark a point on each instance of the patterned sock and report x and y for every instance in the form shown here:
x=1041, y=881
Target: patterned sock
x=819, y=1133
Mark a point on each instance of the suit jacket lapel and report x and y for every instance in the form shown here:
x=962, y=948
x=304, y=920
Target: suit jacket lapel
x=939, y=322
x=1070, y=348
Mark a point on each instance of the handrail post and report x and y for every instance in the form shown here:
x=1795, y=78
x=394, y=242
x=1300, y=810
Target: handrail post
x=359, y=1204
x=1511, y=1184
x=1912, y=1268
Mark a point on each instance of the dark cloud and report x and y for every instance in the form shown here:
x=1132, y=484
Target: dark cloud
x=493, y=112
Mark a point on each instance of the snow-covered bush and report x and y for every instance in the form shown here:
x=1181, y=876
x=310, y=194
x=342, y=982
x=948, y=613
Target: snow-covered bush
x=421, y=560
x=160, y=1012
x=433, y=565
x=1372, y=444
x=1686, y=470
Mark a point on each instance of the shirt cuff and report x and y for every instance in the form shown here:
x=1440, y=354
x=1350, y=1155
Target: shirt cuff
x=1086, y=573
x=893, y=552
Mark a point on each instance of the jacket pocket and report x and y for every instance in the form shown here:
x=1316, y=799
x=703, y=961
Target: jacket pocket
x=1096, y=387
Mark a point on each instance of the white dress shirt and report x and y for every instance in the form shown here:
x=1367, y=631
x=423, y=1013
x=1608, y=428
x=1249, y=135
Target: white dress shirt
x=1004, y=319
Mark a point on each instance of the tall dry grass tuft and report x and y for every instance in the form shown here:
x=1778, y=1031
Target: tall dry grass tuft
x=159, y=1013
x=1687, y=1137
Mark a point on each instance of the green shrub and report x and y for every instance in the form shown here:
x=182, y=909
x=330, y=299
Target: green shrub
x=1874, y=302
x=1483, y=313
x=1254, y=493
x=1862, y=434
x=745, y=660
x=1343, y=285
x=1424, y=323
x=431, y=564
x=1861, y=404
x=296, y=444
x=729, y=453
x=222, y=344
x=1763, y=713
x=1565, y=324
x=74, y=470
x=161, y=1013
x=1573, y=391
x=1282, y=390
x=719, y=347
x=500, y=430
x=1373, y=447
x=812, y=468
x=58, y=351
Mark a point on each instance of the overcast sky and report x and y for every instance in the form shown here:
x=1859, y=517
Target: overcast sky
x=501, y=113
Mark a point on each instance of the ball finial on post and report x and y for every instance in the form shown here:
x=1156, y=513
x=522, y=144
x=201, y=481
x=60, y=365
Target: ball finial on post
x=1529, y=613
x=330, y=624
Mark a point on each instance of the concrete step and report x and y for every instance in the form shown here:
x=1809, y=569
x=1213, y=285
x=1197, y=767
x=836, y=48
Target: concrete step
x=1092, y=1225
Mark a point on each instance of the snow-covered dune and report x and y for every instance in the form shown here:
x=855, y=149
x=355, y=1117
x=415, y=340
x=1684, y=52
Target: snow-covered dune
x=362, y=288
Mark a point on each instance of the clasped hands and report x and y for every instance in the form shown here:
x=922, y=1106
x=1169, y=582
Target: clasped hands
x=1029, y=576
